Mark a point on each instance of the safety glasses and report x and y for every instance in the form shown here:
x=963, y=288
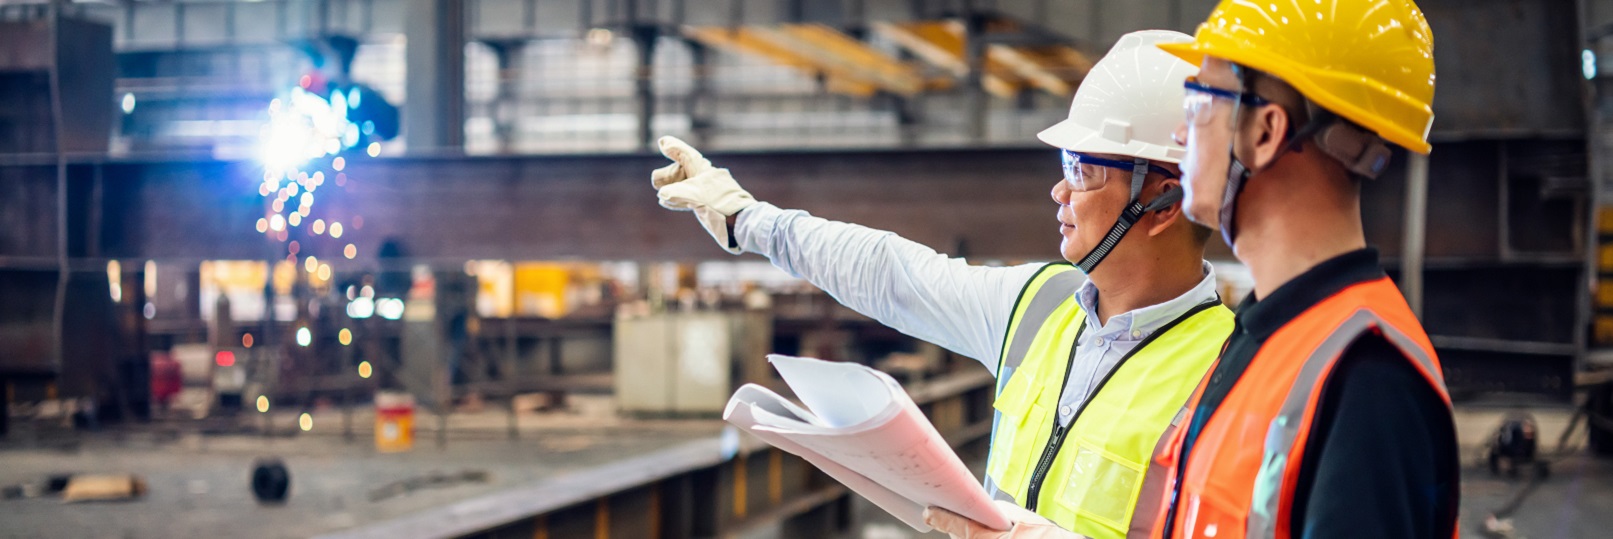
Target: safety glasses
x=1200, y=97
x=1085, y=172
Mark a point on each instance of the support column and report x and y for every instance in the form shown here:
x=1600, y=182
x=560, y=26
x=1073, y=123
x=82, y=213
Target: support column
x=975, y=52
x=1411, y=254
x=644, y=38
x=700, y=102
x=506, y=106
x=434, y=111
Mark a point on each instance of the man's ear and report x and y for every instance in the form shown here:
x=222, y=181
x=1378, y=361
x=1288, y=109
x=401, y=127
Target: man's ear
x=1267, y=129
x=1158, y=221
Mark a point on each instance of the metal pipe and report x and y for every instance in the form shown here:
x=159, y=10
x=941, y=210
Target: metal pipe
x=1415, y=231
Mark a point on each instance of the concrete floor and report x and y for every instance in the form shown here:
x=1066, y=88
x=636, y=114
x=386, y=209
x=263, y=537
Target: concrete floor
x=1573, y=501
x=199, y=485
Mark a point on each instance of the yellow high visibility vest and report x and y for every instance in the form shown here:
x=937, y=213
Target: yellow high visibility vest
x=1087, y=478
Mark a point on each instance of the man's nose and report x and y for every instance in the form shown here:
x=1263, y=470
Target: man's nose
x=1180, y=134
x=1061, y=192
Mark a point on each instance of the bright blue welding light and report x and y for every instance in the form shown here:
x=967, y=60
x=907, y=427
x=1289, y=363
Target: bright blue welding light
x=1587, y=63
x=303, y=127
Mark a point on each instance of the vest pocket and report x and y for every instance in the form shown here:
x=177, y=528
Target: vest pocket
x=1013, y=449
x=1102, y=487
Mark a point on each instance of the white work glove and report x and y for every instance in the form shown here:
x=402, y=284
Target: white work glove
x=1027, y=525
x=690, y=183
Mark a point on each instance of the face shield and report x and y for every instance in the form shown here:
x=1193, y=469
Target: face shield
x=1211, y=175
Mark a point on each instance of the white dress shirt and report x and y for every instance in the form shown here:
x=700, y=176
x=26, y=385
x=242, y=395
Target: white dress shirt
x=946, y=301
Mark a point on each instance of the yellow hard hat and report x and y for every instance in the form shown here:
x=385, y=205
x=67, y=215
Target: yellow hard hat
x=1369, y=62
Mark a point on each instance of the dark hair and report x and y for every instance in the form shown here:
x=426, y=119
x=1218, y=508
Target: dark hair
x=1298, y=113
x=1201, y=234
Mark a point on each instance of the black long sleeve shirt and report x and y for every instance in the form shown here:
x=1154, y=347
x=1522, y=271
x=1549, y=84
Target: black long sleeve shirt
x=1381, y=460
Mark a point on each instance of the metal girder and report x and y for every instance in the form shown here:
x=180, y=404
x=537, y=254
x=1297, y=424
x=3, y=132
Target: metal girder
x=941, y=43
x=435, y=111
x=843, y=53
x=1054, y=68
x=938, y=42
x=750, y=41
x=744, y=40
x=851, y=66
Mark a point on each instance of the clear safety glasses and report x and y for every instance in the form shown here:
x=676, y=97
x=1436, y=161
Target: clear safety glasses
x=1086, y=173
x=1201, y=97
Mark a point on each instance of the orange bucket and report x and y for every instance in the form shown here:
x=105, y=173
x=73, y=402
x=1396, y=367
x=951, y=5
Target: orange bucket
x=394, y=422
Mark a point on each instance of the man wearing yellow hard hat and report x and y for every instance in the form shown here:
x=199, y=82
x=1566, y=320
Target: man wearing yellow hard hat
x=1326, y=415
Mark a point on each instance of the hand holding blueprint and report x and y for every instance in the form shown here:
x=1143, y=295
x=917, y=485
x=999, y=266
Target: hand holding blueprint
x=863, y=430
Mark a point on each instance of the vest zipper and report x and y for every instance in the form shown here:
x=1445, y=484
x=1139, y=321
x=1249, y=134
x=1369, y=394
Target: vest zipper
x=1051, y=451
x=1034, y=490
x=1042, y=466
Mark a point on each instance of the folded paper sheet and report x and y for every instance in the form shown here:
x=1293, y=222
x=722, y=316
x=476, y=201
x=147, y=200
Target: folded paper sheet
x=861, y=428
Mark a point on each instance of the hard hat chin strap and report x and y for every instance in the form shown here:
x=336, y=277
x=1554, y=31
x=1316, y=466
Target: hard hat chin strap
x=1237, y=176
x=1134, y=211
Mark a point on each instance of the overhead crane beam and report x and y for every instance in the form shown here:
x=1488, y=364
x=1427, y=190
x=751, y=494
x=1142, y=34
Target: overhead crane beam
x=748, y=41
x=938, y=42
x=850, y=66
x=1055, y=69
x=844, y=57
x=941, y=44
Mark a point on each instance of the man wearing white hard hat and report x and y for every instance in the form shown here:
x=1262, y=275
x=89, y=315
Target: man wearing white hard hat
x=1094, y=357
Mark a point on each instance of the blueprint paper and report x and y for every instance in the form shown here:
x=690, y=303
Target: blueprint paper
x=861, y=428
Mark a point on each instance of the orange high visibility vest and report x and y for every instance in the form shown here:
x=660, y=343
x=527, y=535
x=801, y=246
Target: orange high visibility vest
x=1239, y=482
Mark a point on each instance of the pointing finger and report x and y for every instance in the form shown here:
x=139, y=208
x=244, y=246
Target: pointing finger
x=683, y=154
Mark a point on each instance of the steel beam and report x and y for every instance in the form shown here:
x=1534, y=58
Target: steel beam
x=434, y=114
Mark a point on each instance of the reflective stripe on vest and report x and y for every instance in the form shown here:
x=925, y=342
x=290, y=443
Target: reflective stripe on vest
x=1045, y=292
x=1093, y=482
x=1238, y=484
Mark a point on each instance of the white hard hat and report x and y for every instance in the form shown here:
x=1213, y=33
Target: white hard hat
x=1130, y=102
